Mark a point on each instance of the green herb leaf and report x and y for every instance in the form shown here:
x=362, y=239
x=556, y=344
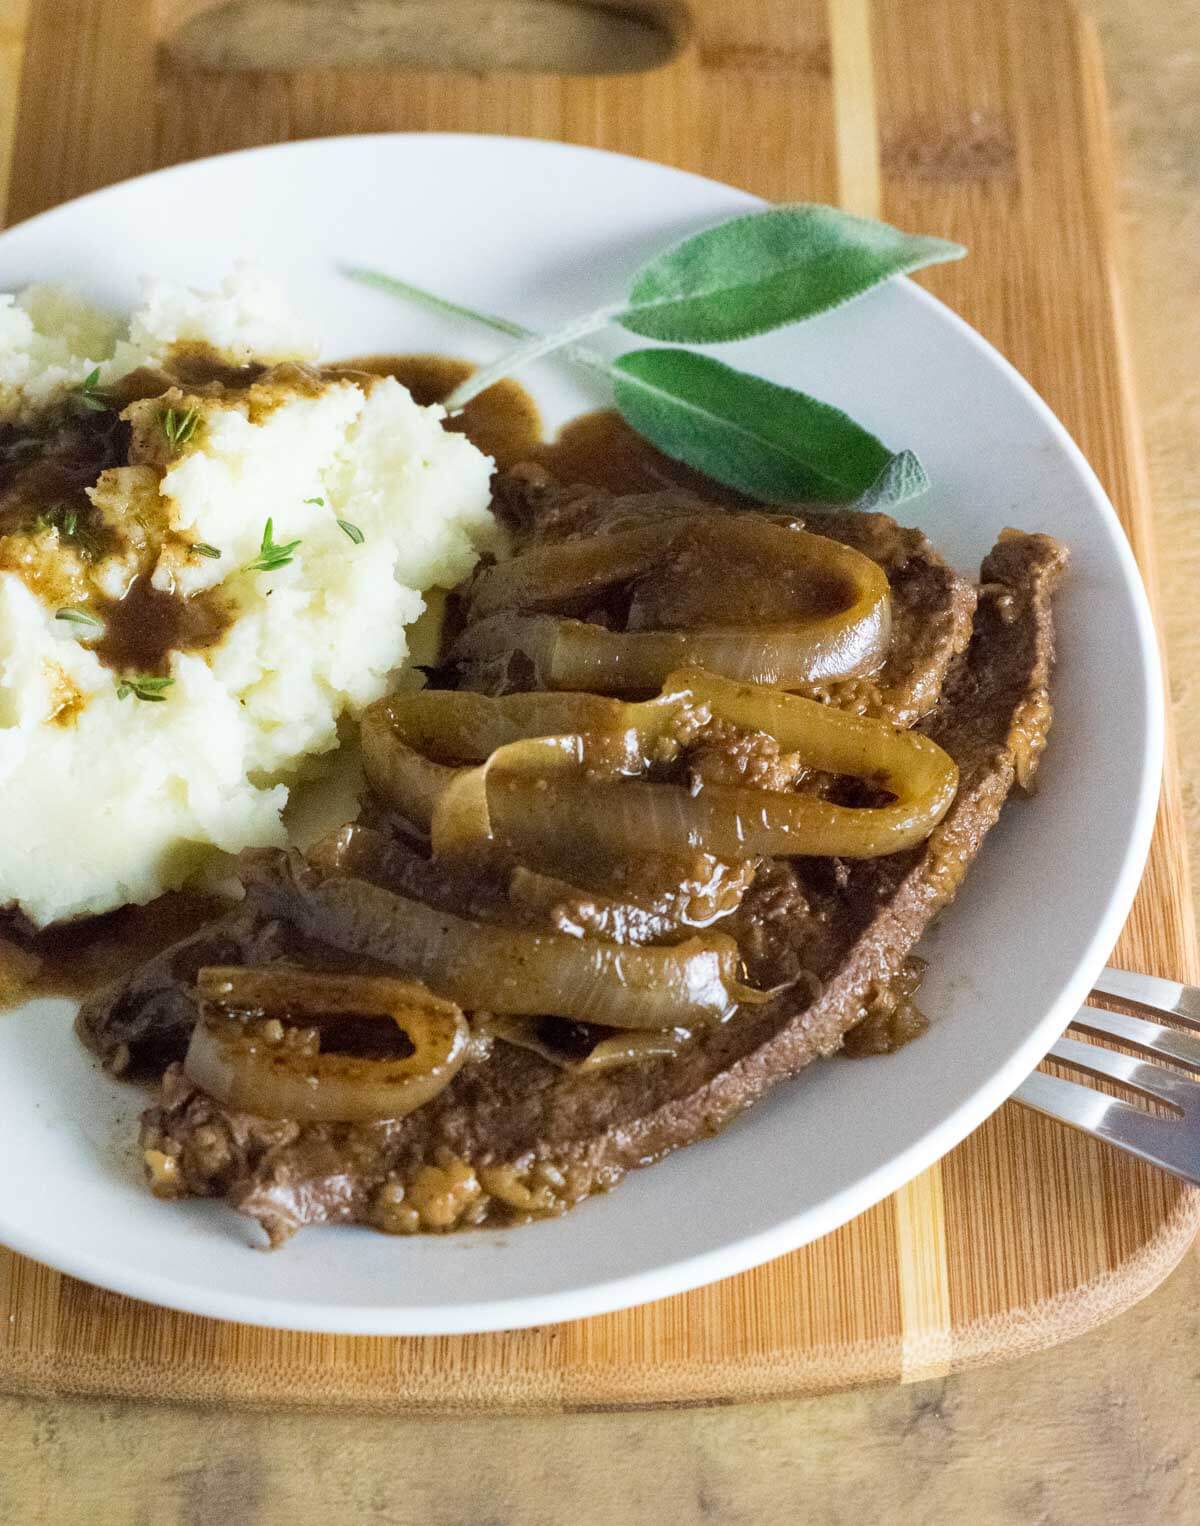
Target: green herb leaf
x=759, y=272
x=320, y=502
x=79, y=617
x=352, y=531
x=148, y=689
x=202, y=548
x=751, y=434
x=270, y=556
x=73, y=526
x=91, y=394
x=179, y=426
x=902, y=478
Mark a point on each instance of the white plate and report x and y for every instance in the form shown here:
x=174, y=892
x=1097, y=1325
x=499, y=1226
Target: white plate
x=539, y=231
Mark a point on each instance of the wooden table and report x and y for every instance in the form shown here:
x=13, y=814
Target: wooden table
x=1103, y=1429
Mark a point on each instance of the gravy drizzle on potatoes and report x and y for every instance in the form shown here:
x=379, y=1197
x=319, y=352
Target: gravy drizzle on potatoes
x=166, y=673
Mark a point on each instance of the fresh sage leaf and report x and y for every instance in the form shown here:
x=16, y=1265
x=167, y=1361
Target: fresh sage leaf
x=759, y=272
x=902, y=478
x=764, y=439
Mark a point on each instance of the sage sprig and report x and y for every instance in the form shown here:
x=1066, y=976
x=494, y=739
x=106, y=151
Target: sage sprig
x=746, y=276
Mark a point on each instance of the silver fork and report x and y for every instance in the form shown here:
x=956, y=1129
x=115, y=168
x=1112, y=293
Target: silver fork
x=1172, y=1143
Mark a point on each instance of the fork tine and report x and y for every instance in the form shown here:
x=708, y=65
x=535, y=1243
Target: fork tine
x=1165, y=998
x=1165, y=1142
x=1107, y=1065
x=1172, y=1143
x=1138, y=1033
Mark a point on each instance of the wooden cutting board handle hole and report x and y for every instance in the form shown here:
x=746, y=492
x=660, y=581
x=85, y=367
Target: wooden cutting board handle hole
x=455, y=36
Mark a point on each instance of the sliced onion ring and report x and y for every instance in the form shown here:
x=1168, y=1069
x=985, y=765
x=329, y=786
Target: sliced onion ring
x=516, y=971
x=574, y=654
x=415, y=745
x=248, y=1071
x=845, y=634
x=633, y=1048
x=552, y=799
x=530, y=817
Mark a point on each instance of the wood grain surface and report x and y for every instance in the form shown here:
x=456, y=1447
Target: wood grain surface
x=984, y=122
x=14, y=15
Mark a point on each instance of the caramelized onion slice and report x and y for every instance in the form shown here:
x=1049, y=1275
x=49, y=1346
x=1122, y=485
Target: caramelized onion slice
x=277, y=1069
x=573, y=654
x=733, y=822
x=840, y=628
x=522, y=1033
x=625, y=1048
x=420, y=748
x=517, y=971
x=630, y=1048
x=558, y=799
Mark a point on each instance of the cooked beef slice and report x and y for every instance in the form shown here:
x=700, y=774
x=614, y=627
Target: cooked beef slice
x=144, y=1020
x=514, y=1135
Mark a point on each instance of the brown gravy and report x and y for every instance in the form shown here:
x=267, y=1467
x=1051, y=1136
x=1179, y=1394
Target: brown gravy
x=504, y=422
x=598, y=449
x=143, y=628
x=45, y=469
x=76, y=958
x=46, y=485
x=601, y=450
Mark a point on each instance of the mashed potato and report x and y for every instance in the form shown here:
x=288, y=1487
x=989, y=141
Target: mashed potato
x=114, y=794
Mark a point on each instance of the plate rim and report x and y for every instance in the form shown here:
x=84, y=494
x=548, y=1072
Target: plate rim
x=512, y=1313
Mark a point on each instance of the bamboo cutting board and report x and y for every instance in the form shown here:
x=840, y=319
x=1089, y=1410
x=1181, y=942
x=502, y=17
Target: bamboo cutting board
x=982, y=120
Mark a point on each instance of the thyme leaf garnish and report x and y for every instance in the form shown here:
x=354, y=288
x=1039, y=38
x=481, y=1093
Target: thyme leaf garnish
x=144, y=688
x=270, y=556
